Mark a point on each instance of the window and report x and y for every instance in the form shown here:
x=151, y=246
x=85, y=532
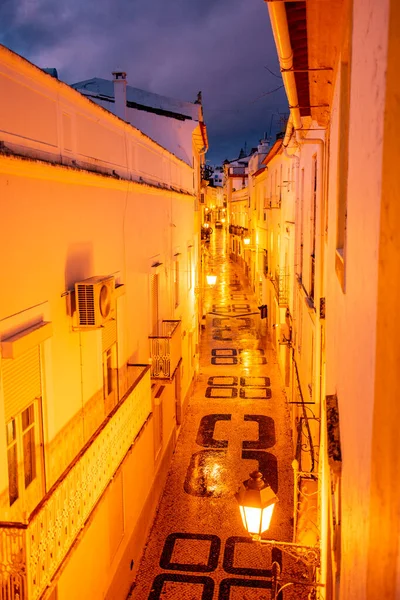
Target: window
x=176, y=283
x=108, y=387
x=190, y=267
x=265, y=262
x=28, y=444
x=22, y=406
x=343, y=154
x=301, y=225
x=154, y=303
x=109, y=347
x=313, y=222
x=12, y=459
x=21, y=435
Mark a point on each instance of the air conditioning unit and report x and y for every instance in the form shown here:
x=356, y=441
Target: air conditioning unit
x=94, y=301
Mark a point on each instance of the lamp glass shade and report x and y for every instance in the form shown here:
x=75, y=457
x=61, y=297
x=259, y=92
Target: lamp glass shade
x=246, y=241
x=211, y=279
x=256, y=503
x=256, y=520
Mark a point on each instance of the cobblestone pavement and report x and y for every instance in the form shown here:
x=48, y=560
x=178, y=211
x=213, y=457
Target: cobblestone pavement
x=236, y=421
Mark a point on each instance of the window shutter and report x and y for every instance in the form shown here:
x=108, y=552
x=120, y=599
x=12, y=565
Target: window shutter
x=21, y=381
x=109, y=334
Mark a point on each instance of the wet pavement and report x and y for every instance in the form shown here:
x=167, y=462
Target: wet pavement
x=237, y=421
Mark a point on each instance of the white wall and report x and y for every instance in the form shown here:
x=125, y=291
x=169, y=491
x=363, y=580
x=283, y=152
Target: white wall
x=60, y=225
x=351, y=316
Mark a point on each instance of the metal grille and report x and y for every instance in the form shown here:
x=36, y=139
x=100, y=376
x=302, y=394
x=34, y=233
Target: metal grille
x=21, y=381
x=31, y=554
x=86, y=304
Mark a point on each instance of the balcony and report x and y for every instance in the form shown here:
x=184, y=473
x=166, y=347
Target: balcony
x=165, y=350
x=281, y=284
x=238, y=230
x=32, y=552
x=238, y=171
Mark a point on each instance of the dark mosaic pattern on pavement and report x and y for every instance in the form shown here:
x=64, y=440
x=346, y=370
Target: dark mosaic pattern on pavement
x=224, y=436
x=213, y=548
x=205, y=434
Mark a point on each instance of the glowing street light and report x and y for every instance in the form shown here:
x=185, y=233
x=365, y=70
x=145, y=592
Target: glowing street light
x=211, y=278
x=256, y=502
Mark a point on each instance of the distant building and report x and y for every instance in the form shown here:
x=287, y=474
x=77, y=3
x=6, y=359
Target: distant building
x=174, y=124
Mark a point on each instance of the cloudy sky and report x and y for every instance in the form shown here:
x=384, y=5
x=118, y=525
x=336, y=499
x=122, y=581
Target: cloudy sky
x=175, y=48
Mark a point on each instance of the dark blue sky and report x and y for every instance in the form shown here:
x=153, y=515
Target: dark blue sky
x=174, y=48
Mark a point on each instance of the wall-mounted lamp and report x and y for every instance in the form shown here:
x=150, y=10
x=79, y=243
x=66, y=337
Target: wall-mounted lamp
x=211, y=278
x=256, y=503
x=246, y=241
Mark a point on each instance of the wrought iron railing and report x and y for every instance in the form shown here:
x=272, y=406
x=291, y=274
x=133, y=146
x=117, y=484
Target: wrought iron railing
x=238, y=230
x=281, y=284
x=31, y=552
x=238, y=171
x=166, y=350
x=306, y=527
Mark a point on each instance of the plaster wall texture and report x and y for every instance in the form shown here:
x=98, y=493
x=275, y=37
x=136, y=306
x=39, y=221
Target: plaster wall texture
x=86, y=574
x=61, y=225
x=351, y=322
x=174, y=135
x=46, y=119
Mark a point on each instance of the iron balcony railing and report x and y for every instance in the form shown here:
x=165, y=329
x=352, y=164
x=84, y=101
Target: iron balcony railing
x=165, y=350
x=238, y=230
x=32, y=552
x=238, y=171
x=281, y=284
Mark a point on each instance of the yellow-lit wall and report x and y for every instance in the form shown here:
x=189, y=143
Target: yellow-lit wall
x=351, y=324
x=82, y=193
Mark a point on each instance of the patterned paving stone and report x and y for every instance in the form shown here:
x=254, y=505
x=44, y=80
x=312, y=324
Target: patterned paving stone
x=223, y=335
x=255, y=393
x=224, y=360
x=222, y=439
x=260, y=381
x=221, y=392
x=224, y=352
x=222, y=380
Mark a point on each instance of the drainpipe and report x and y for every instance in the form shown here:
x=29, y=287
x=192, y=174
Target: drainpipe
x=277, y=15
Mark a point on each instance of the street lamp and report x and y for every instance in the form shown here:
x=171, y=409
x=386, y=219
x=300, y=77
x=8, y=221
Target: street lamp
x=211, y=278
x=256, y=502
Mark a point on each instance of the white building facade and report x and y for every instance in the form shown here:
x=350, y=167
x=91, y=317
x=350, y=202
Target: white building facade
x=98, y=328
x=331, y=219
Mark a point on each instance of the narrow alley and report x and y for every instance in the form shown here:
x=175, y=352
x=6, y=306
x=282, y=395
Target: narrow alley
x=236, y=422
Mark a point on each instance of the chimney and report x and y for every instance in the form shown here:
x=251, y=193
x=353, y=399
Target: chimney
x=120, y=94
